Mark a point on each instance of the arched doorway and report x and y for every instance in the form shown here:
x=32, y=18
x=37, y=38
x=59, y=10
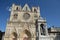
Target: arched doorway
x=14, y=36
x=27, y=35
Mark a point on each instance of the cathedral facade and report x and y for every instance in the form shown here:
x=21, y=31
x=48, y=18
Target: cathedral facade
x=26, y=23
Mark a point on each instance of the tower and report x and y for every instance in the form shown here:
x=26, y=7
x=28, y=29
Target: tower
x=22, y=23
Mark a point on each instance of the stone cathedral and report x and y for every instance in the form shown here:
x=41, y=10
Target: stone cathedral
x=25, y=23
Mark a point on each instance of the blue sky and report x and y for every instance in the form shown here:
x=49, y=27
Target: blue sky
x=50, y=9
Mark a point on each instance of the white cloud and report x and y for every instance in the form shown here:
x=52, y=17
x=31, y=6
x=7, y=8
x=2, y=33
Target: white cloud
x=8, y=8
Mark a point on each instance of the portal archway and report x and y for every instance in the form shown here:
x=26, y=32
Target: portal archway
x=14, y=36
x=27, y=35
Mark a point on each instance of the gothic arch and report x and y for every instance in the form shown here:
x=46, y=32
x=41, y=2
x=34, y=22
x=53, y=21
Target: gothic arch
x=42, y=29
x=42, y=26
x=14, y=36
x=35, y=10
x=28, y=35
x=17, y=8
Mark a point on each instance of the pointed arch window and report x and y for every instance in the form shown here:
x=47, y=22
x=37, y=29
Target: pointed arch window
x=26, y=8
x=17, y=8
x=35, y=10
x=15, y=16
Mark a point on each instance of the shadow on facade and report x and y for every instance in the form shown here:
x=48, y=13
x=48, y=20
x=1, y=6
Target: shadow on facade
x=1, y=34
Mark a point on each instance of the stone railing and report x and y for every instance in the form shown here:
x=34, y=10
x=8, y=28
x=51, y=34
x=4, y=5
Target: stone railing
x=46, y=38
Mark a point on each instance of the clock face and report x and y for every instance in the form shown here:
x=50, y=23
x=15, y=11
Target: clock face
x=26, y=16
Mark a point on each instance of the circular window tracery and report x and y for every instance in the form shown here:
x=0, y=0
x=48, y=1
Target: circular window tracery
x=26, y=16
